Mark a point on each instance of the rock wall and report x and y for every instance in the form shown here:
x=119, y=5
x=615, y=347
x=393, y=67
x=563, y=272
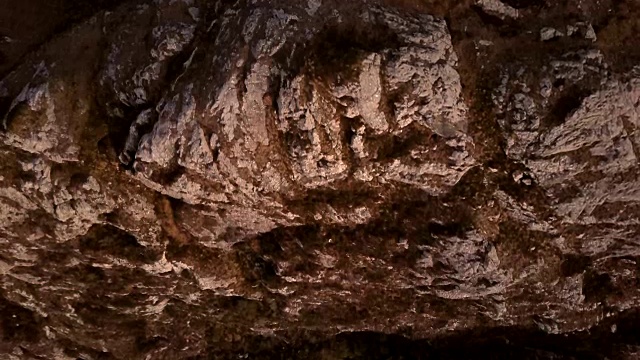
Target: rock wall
x=186, y=179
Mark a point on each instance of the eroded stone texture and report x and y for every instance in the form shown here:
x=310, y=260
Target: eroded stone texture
x=284, y=179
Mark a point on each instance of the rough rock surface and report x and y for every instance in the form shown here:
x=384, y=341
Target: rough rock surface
x=190, y=179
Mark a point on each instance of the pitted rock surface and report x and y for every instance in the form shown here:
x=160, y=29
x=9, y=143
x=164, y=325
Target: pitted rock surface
x=191, y=179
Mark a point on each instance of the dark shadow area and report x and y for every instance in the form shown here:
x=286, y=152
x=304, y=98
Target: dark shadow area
x=569, y=101
x=29, y=24
x=17, y=323
x=102, y=240
x=479, y=344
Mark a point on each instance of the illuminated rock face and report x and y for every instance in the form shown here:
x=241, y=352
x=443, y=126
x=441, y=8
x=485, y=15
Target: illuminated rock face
x=321, y=179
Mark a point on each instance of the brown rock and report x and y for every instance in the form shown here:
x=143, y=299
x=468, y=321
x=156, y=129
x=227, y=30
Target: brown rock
x=319, y=180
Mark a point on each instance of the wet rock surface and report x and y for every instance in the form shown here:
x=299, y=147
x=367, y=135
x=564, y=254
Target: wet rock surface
x=184, y=179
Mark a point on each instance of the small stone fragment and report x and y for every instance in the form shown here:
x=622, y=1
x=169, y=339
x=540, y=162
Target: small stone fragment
x=590, y=33
x=498, y=8
x=549, y=33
